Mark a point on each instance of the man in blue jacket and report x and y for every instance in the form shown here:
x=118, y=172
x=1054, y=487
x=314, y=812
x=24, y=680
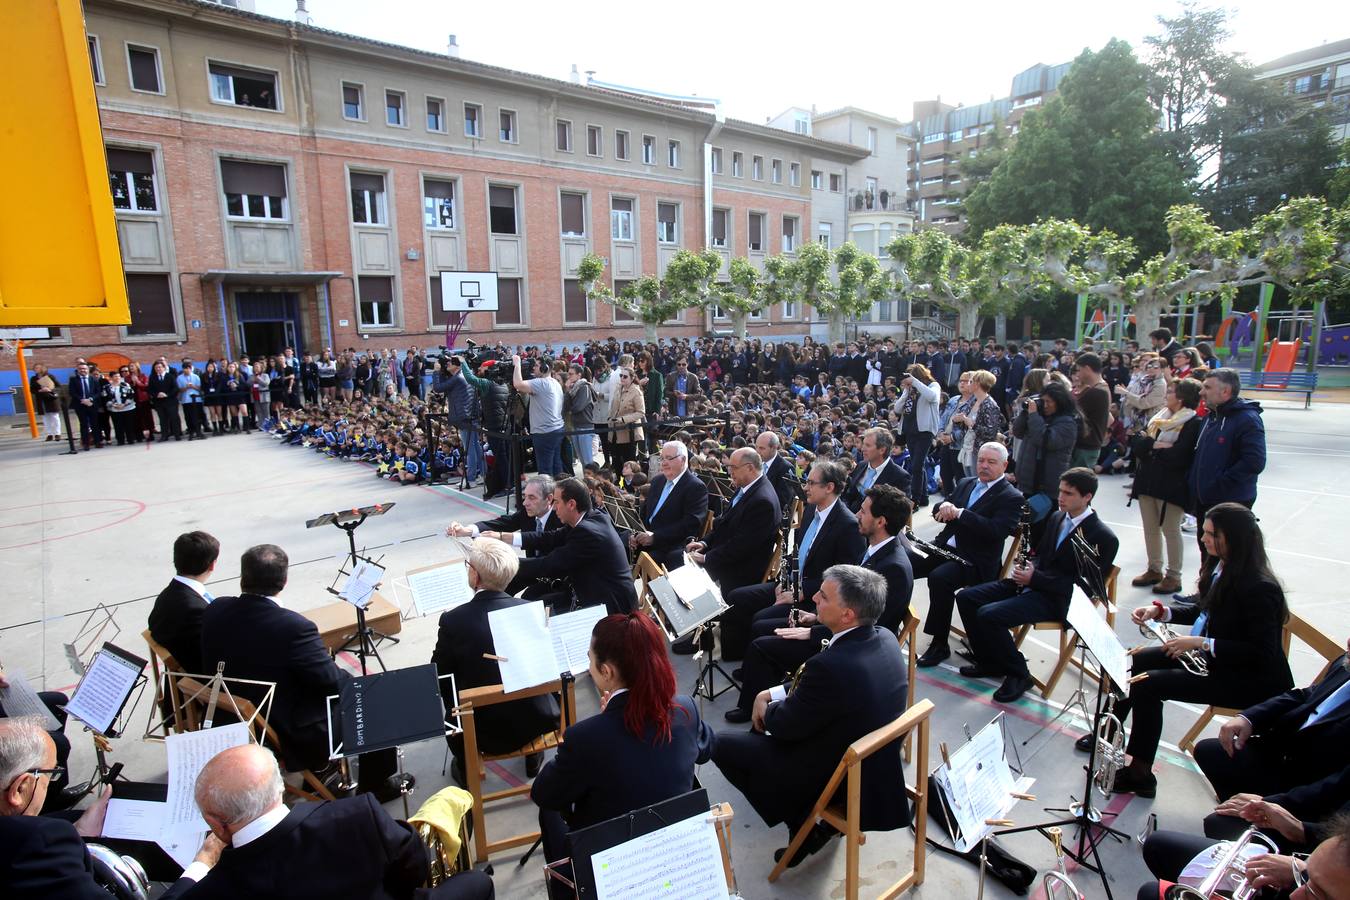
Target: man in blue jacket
x=1231, y=450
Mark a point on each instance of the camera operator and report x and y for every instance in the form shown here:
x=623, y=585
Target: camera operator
x=462, y=406
x=494, y=402
x=546, y=424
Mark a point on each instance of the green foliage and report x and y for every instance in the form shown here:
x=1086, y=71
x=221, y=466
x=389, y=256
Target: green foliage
x=1338, y=188
x=649, y=299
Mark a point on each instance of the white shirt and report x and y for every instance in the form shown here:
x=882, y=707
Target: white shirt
x=541, y=525
x=951, y=541
x=246, y=835
x=874, y=548
x=195, y=585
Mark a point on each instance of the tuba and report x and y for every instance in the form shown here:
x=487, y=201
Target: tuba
x=120, y=876
x=1057, y=885
x=1110, y=747
x=1225, y=863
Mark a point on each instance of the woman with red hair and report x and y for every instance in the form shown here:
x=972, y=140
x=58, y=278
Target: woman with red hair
x=642, y=747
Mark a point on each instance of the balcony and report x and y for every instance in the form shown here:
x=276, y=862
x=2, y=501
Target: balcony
x=883, y=200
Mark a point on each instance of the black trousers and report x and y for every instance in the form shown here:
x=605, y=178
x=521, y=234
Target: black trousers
x=169, y=421
x=124, y=424
x=945, y=578
x=90, y=429
x=949, y=468
x=918, y=443
x=768, y=661
x=989, y=610
x=1256, y=769
x=194, y=413
x=744, y=603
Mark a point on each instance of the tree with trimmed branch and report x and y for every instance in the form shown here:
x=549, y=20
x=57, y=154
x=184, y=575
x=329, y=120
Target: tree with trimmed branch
x=839, y=285
x=651, y=300
x=742, y=295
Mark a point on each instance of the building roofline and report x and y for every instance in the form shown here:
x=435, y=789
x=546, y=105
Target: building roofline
x=1299, y=57
x=856, y=110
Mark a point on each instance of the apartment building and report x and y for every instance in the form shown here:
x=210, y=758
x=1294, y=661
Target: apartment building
x=278, y=184
x=1319, y=76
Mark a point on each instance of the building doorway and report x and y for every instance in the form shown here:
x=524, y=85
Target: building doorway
x=268, y=323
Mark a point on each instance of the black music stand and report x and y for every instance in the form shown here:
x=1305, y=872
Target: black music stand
x=698, y=616
x=116, y=725
x=365, y=640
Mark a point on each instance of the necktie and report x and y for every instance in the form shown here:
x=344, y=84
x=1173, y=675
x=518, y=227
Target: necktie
x=866, y=556
x=1330, y=705
x=539, y=526
x=975, y=495
x=1064, y=531
x=208, y=596
x=737, y=499
x=805, y=549
x=85, y=382
x=1200, y=621
x=661, y=501
x=870, y=478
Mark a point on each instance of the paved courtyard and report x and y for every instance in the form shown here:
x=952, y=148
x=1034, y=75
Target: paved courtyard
x=98, y=528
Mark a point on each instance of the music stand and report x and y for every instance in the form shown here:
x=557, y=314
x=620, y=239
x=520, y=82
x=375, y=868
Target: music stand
x=366, y=638
x=99, y=702
x=386, y=710
x=687, y=612
x=91, y=633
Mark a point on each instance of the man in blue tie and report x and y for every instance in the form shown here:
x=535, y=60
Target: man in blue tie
x=675, y=508
x=1037, y=592
x=877, y=468
x=176, y=619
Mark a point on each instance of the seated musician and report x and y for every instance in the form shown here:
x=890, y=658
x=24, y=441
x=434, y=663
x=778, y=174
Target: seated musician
x=852, y=687
x=463, y=643
x=335, y=848
x=535, y=513
x=776, y=469
x=59, y=794
x=1236, y=631
x=587, y=552
x=639, y=750
x=675, y=508
x=828, y=535
x=41, y=857
x=777, y=648
x=1037, y=592
x=176, y=619
x=738, y=549
x=877, y=467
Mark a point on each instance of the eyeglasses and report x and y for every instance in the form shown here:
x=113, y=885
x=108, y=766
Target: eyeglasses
x=1299, y=864
x=53, y=773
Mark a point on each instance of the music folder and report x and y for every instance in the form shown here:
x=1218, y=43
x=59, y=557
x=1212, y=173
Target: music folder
x=683, y=615
x=388, y=709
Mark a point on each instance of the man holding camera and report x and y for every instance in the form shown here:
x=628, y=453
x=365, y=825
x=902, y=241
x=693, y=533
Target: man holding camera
x=460, y=404
x=546, y=424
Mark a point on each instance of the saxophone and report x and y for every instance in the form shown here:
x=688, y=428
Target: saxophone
x=797, y=674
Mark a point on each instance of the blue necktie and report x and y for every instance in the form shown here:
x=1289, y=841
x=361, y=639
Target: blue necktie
x=869, y=478
x=661, y=501
x=1199, y=627
x=1330, y=705
x=866, y=556
x=807, y=538
x=1064, y=531
x=737, y=499
x=206, y=595
x=975, y=495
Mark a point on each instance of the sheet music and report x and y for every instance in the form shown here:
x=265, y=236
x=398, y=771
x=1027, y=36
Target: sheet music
x=361, y=584
x=520, y=635
x=571, y=634
x=979, y=784
x=439, y=588
x=1100, y=638
x=691, y=582
x=20, y=699
x=681, y=860
x=181, y=842
x=134, y=820
x=104, y=689
x=188, y=753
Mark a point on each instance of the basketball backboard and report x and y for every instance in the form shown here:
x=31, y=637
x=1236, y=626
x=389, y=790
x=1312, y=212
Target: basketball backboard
x=467, y=292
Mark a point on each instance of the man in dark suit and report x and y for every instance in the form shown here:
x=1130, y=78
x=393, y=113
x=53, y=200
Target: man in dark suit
x=163, y=391
x=587, y=551
x=337, y=848
x=681, y=387
x=85, y=393
x=1289, y=748
x=738, y=549
x=534, y=515
x=463, y=645
x=983, y=511
x=777, y=470
x=828, y=535
x=176, y=618
x=877, y=468
x=778, y=647
x=854, y=686
x=675, y=508
x=1038, y=592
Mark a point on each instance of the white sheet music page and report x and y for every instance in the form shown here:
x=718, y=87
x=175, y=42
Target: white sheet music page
x=681, y=860
x=1100, y=638
x=134, y=820
x=440, y=588
x=20, y=699
x=571, y=633
x=102, y=691
x=188, y=754
x=520, y=636
x=361, y=584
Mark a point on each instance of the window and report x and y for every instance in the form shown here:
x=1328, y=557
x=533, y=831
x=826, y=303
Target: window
x=473, y=120
x=438, y=203
x=801, y=123
x=439, y=317
x=1303, y=84
x=621, y=314
x=506, y=126
x=621, y=219
x=576, y=305
x=376, y=306
x=756, y=232
x=144, y=65
x=95, y=59
x=737, y=164
x=884, y=311
x=573, y=215
x=795, y=174
x=776, y=171
x=824, y=233
x=789, y=234
x=673, y=154
x=253, y=190
x=648, y=150
x=502, y=209
x=243, y=87
x=872, y=141
x=368, y=199
x=151, y=299
x=595, y=141
x=954, y=137
x=564, y=135
x=508, y=302
x=435, y=114
x=353, y=102
x=789, y=309
x=131, y=175
x=667, y=215
x=935, y=138
x=836, y=182
x=719, y=228
x=757, y=168
x=394, y=102
x=817, y=180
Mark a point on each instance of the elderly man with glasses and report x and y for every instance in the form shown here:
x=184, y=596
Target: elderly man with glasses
x=674, y=510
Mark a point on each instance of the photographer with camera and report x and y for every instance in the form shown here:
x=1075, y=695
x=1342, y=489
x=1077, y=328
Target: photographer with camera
x=546, y=424
x=461, y=403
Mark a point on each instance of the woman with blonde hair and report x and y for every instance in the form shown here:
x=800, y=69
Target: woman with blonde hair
x=919, y=417
x=629, y=407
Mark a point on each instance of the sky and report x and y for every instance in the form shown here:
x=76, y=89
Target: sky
x=759, y=58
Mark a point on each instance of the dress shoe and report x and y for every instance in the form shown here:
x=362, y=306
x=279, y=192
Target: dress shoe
x=532, y=763
x=818, y=837
x=935, y=654
x=1148, y=578
x=975, y=670
x=736, y=716
x=738, y=674
x=685, y=647
x=1186, y=598
x=1084, y=743
x=1129, y=782
x=1013, y=686
x=1169, y=585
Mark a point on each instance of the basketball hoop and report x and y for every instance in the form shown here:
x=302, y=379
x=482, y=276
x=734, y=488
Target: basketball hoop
x=8, y=349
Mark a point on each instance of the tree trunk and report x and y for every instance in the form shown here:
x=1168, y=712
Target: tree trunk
x=1001, y=328
x=738, y=320
x=836, y=320
x=650, y=328
x=1147, y=314
x=968, y=319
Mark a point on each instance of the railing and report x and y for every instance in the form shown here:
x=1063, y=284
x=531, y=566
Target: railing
x=927, y=328
x=881, y=200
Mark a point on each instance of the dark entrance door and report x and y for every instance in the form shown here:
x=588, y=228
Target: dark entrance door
x=269, y=322
x=263, y=338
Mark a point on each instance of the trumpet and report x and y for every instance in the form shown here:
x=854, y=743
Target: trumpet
x=1110, y=747
x=1057, y=884
x=1192, y=661
x=1225, y=865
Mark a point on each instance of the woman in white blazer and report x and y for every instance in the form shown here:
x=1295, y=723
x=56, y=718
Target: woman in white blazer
x=918, y=422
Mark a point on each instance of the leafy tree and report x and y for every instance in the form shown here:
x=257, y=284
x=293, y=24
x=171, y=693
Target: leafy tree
x=652, y=300
x=839, y=285
x=976, y=170
x=742, y=295
x=1091, y=154
x=1338, y=188
x=1187, y=65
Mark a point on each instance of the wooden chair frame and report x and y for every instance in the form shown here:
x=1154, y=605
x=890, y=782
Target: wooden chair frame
x=847, y=819
x=1069, y=640
x=909, y=634
x=776, y=559
x=1296, y=627
x=160, y=656
x=474, y=772
x=1008, y=559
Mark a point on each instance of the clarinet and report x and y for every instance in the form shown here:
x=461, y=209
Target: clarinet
x=1024, y=548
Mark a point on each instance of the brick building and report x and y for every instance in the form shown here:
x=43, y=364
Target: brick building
x=1319, y=76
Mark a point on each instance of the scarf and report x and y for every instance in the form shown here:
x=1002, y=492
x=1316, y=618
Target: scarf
x=1165, y=426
